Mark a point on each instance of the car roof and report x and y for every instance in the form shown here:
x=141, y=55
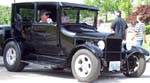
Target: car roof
x=63, y=4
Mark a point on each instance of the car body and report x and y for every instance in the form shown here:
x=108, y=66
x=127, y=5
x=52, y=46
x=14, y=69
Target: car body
x=74, y=44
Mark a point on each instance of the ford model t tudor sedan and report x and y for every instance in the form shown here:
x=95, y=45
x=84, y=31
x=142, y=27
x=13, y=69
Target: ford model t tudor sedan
x=64, y=35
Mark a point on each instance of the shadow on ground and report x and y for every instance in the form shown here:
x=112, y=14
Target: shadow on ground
x=49, y=72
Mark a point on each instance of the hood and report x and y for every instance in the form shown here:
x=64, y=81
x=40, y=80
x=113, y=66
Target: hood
x=96, y=35
x=81, y=32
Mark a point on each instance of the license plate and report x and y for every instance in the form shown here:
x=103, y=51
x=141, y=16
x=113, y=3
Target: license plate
x=114, y=66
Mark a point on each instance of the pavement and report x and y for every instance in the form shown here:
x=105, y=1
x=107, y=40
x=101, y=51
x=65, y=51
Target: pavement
x=38, y=74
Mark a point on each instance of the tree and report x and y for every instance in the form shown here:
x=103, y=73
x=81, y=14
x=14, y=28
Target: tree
x=142, y=2
x=111, y=5
x=146, y=2
x=125, y=5
x=5, y=15
x=143, y=10
x=104, y=5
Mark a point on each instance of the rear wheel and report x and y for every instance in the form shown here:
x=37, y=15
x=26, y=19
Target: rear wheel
x=136, y=64
x=12, y=57
x=85, y=66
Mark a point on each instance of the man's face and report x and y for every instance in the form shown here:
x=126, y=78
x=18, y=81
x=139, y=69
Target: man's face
x=44, y=17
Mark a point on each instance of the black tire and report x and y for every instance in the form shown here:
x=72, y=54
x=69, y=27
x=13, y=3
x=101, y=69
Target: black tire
x=95, y=66
x=141, y=68
x=16, y=65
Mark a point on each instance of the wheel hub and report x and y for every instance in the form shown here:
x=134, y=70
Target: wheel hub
x=11, y=56
x=83, y=65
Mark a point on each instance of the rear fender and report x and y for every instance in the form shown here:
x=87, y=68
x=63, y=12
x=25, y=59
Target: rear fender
x=8, y=40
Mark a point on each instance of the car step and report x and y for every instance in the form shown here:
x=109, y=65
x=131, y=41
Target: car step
x=44, y=64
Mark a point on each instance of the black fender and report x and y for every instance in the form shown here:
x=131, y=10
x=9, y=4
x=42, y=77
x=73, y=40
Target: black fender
x=91, y=47
x=137, y=50
x=18, y=43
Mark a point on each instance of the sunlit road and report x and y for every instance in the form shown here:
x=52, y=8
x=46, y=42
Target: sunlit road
x=37, y=74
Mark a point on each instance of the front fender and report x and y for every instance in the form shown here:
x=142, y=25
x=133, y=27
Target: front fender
x=138, y=50
x=91, y=47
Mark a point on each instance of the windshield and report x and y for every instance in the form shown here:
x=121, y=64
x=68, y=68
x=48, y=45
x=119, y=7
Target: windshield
x=80, y=16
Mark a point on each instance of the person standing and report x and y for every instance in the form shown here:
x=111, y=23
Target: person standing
x=140, y=31
x=131, y=38
x=140, y=35
x=119, y=25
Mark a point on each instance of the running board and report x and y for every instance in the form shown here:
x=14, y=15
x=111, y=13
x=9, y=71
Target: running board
x=44, y=64
x=47, y=61
x=51, y=57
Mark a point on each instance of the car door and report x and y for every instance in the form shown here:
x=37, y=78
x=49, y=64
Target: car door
x=45, y=39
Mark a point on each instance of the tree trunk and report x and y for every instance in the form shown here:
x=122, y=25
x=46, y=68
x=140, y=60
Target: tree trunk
x=106, y=17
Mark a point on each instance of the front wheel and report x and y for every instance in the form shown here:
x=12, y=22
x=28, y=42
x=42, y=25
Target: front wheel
x=12, y=57
x=136, y=65
x=85, y=66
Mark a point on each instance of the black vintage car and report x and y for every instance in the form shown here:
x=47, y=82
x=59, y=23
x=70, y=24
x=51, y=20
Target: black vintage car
x=69, y=40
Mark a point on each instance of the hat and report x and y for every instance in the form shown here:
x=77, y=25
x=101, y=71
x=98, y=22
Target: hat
x=44, y=12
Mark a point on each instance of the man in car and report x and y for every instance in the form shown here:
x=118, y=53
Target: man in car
x=44, y=17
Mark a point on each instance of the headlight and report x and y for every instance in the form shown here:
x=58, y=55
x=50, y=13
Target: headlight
x=101, y=44
x=129, y=45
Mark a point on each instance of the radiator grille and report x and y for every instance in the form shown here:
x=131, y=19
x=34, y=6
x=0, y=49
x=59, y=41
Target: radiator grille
x=113, y=49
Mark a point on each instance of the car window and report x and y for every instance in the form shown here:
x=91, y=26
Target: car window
x=46, y=13
x=69, y=16
x=75, y=15
x=26, y=14
x=87, y=17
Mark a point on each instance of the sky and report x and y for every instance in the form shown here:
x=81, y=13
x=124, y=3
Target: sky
x=8, y=2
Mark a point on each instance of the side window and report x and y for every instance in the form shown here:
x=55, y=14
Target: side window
x=26, y=14
x=46, y=13
x=70, y=15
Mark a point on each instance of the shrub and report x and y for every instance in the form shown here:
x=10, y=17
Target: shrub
x=147, y=29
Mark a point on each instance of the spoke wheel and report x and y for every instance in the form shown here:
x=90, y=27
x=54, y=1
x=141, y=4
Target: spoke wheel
x=136, y=65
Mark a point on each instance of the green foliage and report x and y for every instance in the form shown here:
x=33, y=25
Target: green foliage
x=111, y=5
x=148, y=29
x=142, y=2
x=104, y=5
x=5, y=15
x=26, y=14
x=147, y=2
x=72, y=14
x=125, y=5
